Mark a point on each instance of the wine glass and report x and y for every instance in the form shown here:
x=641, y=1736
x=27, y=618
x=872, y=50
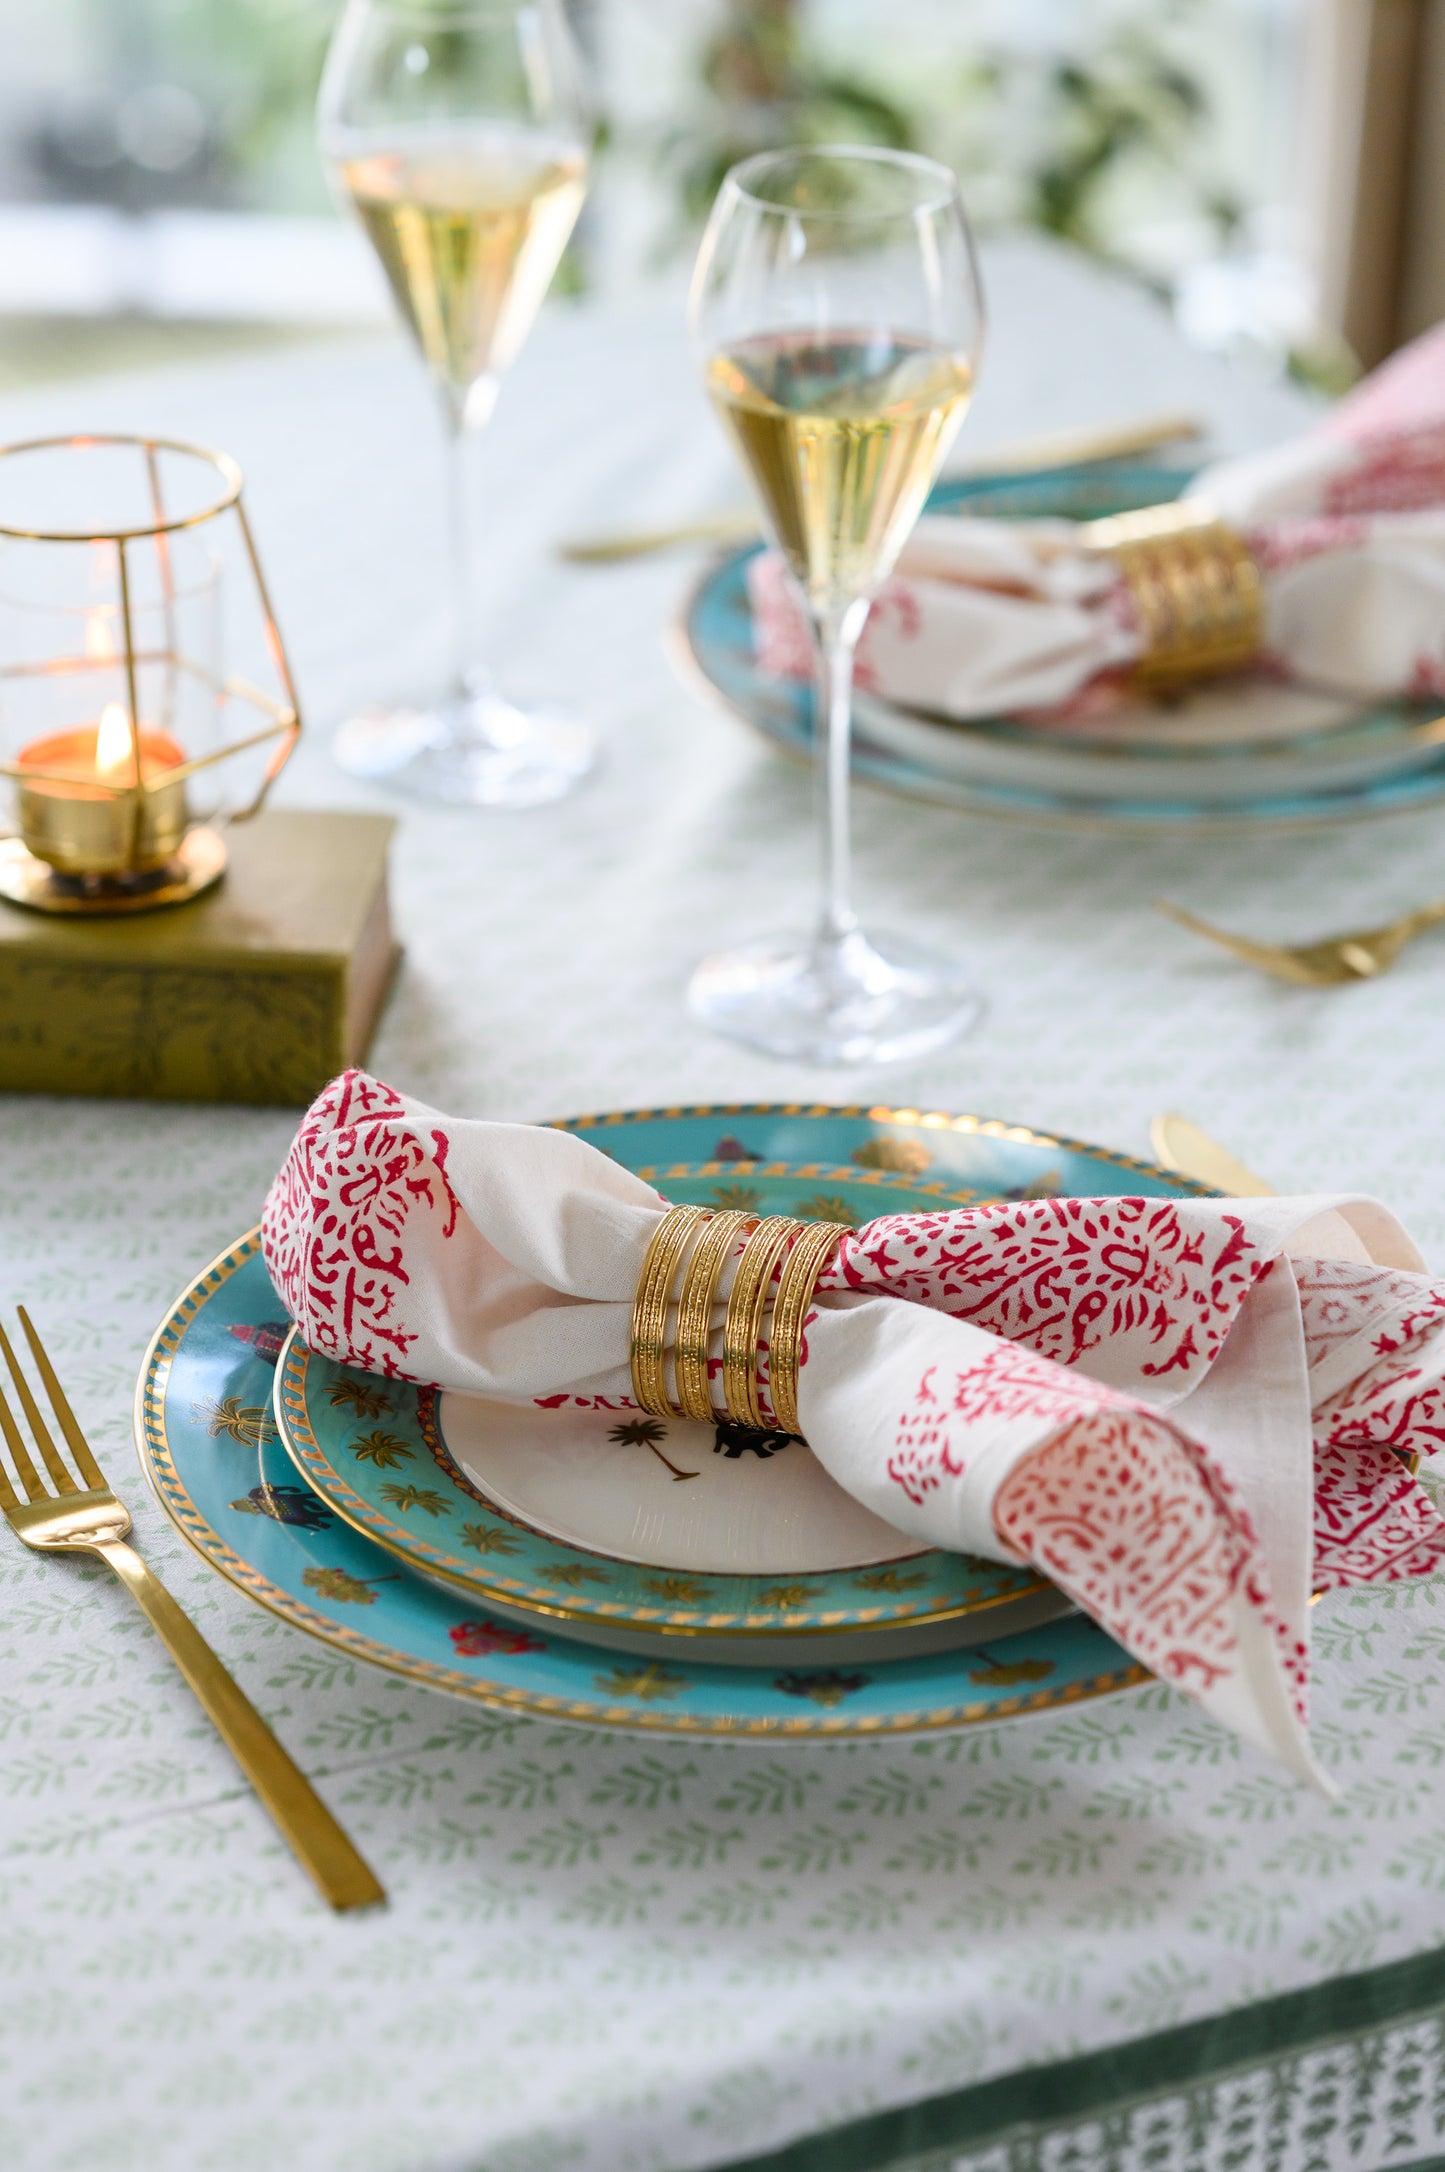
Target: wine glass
x=458, y=132
x=838, y=317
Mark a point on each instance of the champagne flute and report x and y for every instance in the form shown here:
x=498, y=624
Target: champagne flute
x=837, y=315
x=458, y=132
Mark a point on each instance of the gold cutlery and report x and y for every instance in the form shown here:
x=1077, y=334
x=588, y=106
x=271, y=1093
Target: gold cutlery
x=1182, y=1146
x=1328, y=963
x=89, y=1519
x=1058, y=449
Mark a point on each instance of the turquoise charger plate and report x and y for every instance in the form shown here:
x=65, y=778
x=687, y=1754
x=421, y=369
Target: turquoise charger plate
x=1398, y=748
x=464, y=1506
x=216, y=1463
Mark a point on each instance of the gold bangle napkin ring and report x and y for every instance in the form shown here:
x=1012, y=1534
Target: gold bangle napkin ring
x=776, y=1248
x=1196, y=590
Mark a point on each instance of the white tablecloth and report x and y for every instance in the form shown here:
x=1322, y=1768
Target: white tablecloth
x=606, y=1953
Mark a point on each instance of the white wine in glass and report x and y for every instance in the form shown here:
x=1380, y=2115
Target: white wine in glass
x=457, y=131
x=843, y=437
x=837, y=314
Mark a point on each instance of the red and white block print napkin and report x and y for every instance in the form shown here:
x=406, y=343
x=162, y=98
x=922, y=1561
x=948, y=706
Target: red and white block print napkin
x=1347, y=522
x=1189, y=1413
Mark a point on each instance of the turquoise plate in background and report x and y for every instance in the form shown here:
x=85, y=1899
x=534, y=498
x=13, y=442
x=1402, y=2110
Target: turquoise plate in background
x=997, y=766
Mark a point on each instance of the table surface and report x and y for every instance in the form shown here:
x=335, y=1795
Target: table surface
x=604, y=1953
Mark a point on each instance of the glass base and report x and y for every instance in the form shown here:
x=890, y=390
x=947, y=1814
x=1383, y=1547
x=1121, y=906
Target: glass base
x=849, y=1000
x=473, y=750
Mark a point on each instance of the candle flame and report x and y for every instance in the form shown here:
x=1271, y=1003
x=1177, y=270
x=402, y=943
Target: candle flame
x=113, y=743
x=99, y=642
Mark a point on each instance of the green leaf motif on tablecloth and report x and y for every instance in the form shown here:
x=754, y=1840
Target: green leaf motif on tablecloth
x=405, y=1498
x=644, y=1783
x=74, y=1670
x=1389, y=1693
x=1260, y=1799
x=383, y=1449
x=1123, y=1908
x=812, y=1848
x=1421, y=1861
x=939, y=1853
x=1045, y=1979
x=1085, y=1741
x=1138, y=1796
x=736, y=1907
x=1248, y=1915
x=1349, y=1940
x=1014, y=1797
x=522, y=1787
x=1063, y=1854
x=483, y=1900
x=368, y=1728
x=1199, y=1742
x=895, y=1793
x=1425, y=1747
x=862, y=1912
x=315, y=1669
x=37, y=1773
x=448, y=1841
x=399, y=1787
x=153, y=1780
x=690, y=1847
x=565, y=1845
x=1344, y=1637
x=768, y=1790
x=1319, y=1852
x=15, y=1718
x=611, y=1901
x=1157, y=1995
x=116, y=1721
x=1385, y=1798
x=950, y=2054
x=481, y=1732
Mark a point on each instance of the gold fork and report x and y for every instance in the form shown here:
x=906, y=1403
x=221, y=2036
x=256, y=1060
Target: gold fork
x=1326, y=964
x=90, y=1520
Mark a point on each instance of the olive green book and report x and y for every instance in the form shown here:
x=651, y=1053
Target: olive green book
x=259, y=991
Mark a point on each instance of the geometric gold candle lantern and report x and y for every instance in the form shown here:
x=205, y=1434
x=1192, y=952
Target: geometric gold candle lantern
x=128, y=573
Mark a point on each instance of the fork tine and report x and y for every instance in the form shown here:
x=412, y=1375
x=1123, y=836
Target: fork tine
x=9, y=1498
x=86, y=1464
x=49, y=1453
x=30, y=1479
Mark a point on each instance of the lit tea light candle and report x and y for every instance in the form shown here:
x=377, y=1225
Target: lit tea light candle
x=68, y=818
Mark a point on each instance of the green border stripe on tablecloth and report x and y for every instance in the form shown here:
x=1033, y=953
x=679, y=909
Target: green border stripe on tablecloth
x=1145, y=2067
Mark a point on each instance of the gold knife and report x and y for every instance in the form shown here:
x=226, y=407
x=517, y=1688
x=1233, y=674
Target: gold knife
x=1182, y=1146
x=1057, y=449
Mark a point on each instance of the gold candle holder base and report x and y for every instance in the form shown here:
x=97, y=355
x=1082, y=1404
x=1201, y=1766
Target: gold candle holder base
x=35, y=884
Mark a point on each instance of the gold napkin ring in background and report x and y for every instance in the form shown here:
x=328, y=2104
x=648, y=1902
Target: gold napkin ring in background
x=694, y=1313
x=814, y=1248
x=1197, y=592
x=743, y=1327
x=660, y=1263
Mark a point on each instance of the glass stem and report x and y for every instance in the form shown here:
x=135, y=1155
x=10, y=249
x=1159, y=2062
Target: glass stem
x=835, y=638
x=459, y=553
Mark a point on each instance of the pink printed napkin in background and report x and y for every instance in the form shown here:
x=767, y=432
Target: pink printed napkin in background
x=1347, y=523
x=1188, y=1413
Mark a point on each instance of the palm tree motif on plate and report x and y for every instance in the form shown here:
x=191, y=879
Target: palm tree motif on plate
x=646, y=1433
x=243, y=1422
x=356, y=1395
x=385, y=1450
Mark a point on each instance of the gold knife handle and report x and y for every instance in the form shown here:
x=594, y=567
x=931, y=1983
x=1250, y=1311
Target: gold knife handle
x=345, y=1879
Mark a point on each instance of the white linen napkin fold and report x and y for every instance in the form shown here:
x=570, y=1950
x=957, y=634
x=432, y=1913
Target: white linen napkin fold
x=988, y=618
x=1188, y=1413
